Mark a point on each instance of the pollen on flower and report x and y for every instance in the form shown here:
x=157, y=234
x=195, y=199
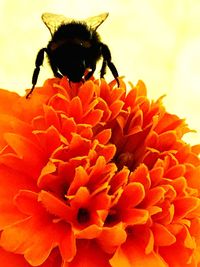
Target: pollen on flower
x=97, y=175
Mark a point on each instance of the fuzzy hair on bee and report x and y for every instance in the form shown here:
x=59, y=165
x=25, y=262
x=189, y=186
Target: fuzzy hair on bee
x=74, y=49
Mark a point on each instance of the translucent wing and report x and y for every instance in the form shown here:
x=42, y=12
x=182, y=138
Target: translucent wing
x=95, y=21
x=53, y=21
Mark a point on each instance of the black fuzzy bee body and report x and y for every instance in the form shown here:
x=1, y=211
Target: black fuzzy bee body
x=74, y=49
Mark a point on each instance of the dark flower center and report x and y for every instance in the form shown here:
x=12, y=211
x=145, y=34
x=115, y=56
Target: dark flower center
x=125, y=159
x=112, y=218
x=83, y=215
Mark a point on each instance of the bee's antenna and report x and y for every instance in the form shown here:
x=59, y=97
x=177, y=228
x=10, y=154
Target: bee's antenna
x=38, y=62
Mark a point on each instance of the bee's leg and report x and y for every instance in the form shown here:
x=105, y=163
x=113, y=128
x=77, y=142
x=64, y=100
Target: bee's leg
x=55, y=72
x=90, y=73
x=54, y=69
x=103, y=68
x=38, y=62
x=107, y=61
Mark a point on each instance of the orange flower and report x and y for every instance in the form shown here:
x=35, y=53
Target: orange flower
x=94, y=176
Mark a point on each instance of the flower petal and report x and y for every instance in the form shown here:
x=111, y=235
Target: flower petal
x=94, y=117
x=90, y=255
x=92, y=175
x=11, y=182
x=54, y=205
x=141, y=175
x=134, y=216
x=9, y=258
x=104, y=136
x=29, y=152
x=112, y=237
x=36, y=237
x=51, y=117
x=132, y=254
x=162, y=235
x=132, y=195
x=76, y=109
x=16, y=238
x=80, y=179
x=185, y=205
x=7, y=100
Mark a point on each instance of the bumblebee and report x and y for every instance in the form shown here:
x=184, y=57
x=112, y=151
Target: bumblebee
x=74, y=49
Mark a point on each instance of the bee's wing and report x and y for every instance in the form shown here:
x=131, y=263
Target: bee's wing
x=53, y=21
x=95, y=21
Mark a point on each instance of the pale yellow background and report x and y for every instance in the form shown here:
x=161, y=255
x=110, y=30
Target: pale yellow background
x=157, y=41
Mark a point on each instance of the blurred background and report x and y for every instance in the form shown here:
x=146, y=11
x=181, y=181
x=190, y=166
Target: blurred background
x=152, y=40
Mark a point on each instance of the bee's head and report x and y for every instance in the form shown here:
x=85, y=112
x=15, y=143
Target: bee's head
x=70, y=59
